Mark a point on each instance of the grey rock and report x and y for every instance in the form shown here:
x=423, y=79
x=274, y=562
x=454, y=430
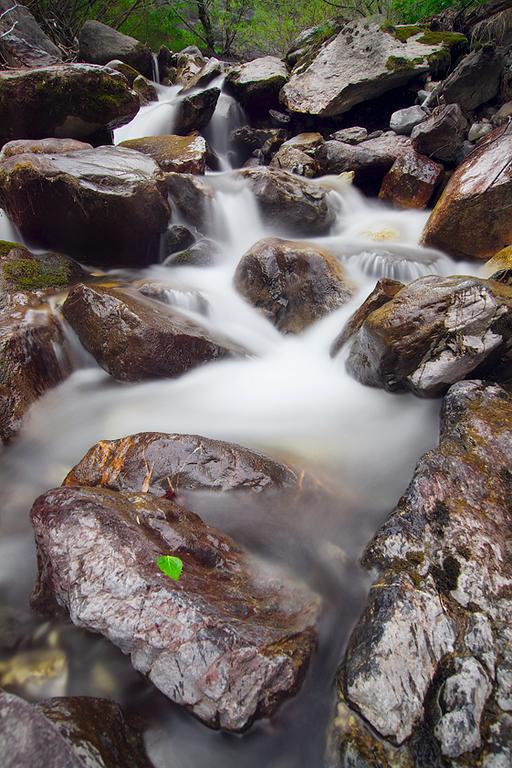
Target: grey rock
x=475, y=80
x=354, y=135
x=404, y=120
x=195, y=112
x=288, y=158
x=257, y=83
x=479, y=640
x=478, y=131
x=22, y=41
x=441, y=134
x=99, y=44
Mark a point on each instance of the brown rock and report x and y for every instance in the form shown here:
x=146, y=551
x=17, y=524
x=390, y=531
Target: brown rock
x=441, y=135
x=195, y=112
x=181, y=154
x=42, y=147
x=411, y=181
x=296, y=161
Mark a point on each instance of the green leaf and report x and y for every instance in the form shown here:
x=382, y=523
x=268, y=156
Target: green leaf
x=171, y=566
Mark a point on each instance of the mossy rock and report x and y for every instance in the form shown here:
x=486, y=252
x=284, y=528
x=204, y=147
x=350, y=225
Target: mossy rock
x=21, y=270
x=452, y=46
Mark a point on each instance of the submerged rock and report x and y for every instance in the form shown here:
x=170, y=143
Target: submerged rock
x=472, y=217
x=68, y=732
x=64, y=101
x=257, y=83
x=22, y=41
x=135, y=338
x=102, y=206
x=411, y=181
x=291, y=283
x=99, y=44
x=181, y=154
x=441, y=135
x=229, y=640
x=434, y=332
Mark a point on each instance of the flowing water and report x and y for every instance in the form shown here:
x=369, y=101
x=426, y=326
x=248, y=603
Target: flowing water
x=288, y=399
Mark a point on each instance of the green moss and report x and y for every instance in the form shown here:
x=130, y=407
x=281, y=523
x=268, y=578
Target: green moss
x=31, y=275
x=6, y=247
x=441, y=38
x=400, y=64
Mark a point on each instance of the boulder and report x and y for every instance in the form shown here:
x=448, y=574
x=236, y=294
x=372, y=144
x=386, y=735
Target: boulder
x=185, y=66
x=202, y=253
x=247, y=139
x=229, y=640
x=210, y=71
x=411, y=181
x=472, y=217
x=361, y=62
x=42, y=147
x=64, y=101
x=441, y=135
x=479, y=130
x=433, y=333
x=135, y=338
x=404, y=120
x=181, y=154
x=305, y=142
x=288, y=202
x=21, y=270
x=257, y=83
x=102, y=206
x=291, y=283
x=474, y=81
x=145, y=90
x=67, y=732
x=22, y=41
x=195, y=112
x=288, y=158
x=99, y=44
x=177, y=238
x=193, y=198
x=354, y=135
x=425, y=666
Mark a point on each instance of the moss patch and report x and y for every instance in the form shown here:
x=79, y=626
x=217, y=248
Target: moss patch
x=31, y=275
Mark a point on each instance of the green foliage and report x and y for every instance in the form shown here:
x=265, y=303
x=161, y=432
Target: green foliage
x=171, y=566
x=410, y=11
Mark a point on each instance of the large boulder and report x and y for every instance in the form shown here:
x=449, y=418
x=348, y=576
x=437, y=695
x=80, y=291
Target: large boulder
x=361, y=62
x=193, y=198
x=288, y=202
x=135, y=338
x=441, y=135
x=67, y=732
x=257, y=83
x=180, y=154
x=193, y=113
x=428, y=665
x=63, y=101
x=472, y=218
x=229, y=640
x=435, y=332
x=103, y=206
x=99, y=44
x=411, y=181
x=291, y=283
x=475, y=80
x=42, y=147
x=22, y=41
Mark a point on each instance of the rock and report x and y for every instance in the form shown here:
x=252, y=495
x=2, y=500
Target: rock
x=102, y=206
x=434, y=332
x=295, y=161
x=472, y=217
x=404, y=120
x=145, y=90
x=64, y=101
x=99, y=44
x=195, y=112
x=210, y=71
x=193, y=198
x=503, y=114
x=411, y=181
x=22, y=41
x=415, y=667
x=257, y=83
x=500, y=262
x=360, y=63
x=279, y=119
x=230, y=640
x=288, y=202
x=474, y=81
x=186, y=65
x=291, y=283
x=203, y=253
x=21, y=270
x=441, y=135
x=67, y=732
x=305, y=142
x=134, y=338
x=247, y=139
x=42, y=147
x=354, y=135
x=309, y=39
x=384, y=291
x=478, y=131
x=181, y=154
x=189, y=462
x=125, y=69
x=177, y=238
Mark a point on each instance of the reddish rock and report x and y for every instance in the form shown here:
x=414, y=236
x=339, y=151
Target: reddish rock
x=179, y=154
x=411, y=181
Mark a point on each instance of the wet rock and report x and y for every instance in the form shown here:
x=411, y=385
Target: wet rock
x=246, y=139
x=478, y=131
x=360, y=63
x=354, y=135
x=291, y=283
x=475, y=80
x=74, y=202
x=203, y=253
x=186, y=65
x=145, y=90
x=441, y=601
x=288, y=202
x=125, y=69
x=21, y=270
x=257, y=83
x=503, y=114
x=42, y=147
x=181, y=154
x=305, y=142
x=195, y=112
x=63, y=101
x=180, y=463
x=441, y=135
x=501, y=261
x=22, y=41
x=68, y=733
x=99, y=44
x=177, y=238
x=434, y=332
x=211, y=70
x=230, y=640
x=193, y=199
x=472, y=217
x=411, y=181
x=404, y=120
x=134, y=338
x=295, y=161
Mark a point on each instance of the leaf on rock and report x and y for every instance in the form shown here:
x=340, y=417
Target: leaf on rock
x=171, y=566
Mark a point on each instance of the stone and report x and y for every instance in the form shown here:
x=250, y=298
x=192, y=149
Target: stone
x=305, y=142
x=503, y=114
x=295, y=161
x=501, y=261
x=411, y=181
x=474, y=81
x=361, y=62
x=181, y=154
x=433, y=333
x=63, y=101
x=441, y=134
x=293, y=284
x=135, y=338
x=177, y=238
x=404, y=120
x=99, y=44
x=21, y=270
x=193, y=198
x=22, y=41
x=289, y=202
x=186, y=65
x=478, y=131
x=472, y=216
x=42, y=147
x=145, y=90
x=125, y=69
x=210, y=71
x=102, y=206
x=195, y=112
x=354, y=135
x=230, y=640
x=257, y=83
x=248, y=139
x=203, y=253
x=67, y=732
